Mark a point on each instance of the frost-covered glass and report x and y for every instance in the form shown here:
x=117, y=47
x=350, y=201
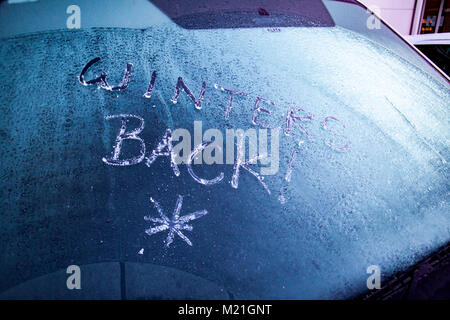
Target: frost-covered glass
x=363, y=173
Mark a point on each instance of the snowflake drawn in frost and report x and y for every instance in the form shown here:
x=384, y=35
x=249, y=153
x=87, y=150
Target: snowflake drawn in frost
x=174, y=225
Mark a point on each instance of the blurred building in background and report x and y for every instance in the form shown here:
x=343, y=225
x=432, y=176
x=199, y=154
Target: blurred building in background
x=419, y=20
x=424, y=23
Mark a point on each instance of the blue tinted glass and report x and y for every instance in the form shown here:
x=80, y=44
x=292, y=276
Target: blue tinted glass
x=355, y=174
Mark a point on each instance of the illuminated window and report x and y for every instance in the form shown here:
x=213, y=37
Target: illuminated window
x=436, y=17
x=445, y=18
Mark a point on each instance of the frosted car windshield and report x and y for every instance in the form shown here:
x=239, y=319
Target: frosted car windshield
x=273, y=155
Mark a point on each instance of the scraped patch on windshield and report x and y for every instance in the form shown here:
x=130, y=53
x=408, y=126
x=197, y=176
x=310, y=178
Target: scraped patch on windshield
x=247, y=14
